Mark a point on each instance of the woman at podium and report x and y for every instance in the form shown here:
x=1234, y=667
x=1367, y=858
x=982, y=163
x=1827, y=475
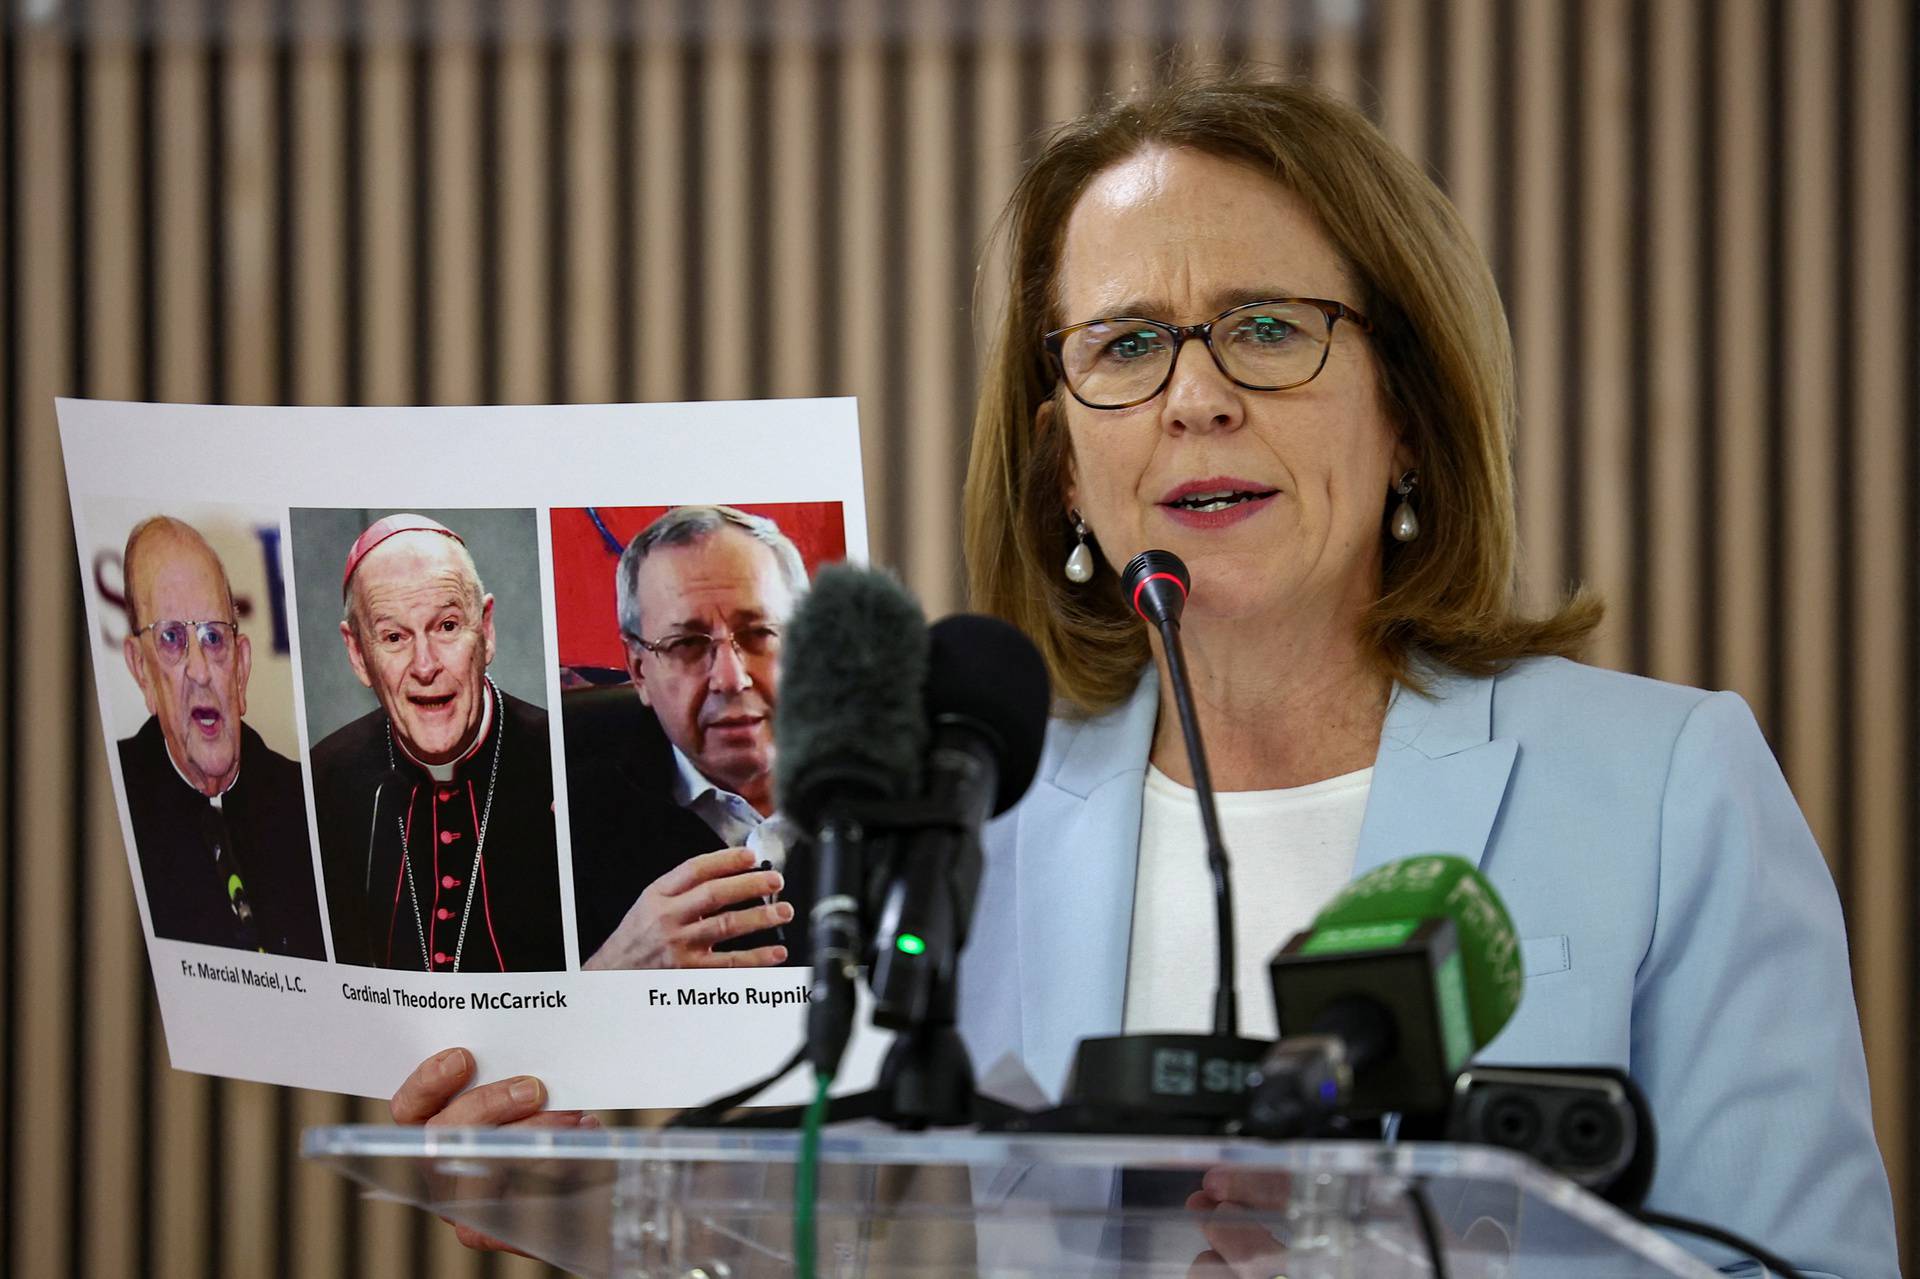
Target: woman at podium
x=1243, y=328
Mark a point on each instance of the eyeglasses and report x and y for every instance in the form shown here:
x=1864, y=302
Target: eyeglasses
x=1121, y=361
x=216, y=639
x=694, y=652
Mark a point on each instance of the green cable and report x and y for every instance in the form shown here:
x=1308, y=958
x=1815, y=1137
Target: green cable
x=805, y=1178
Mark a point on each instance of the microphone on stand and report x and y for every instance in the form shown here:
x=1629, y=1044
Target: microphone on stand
x=1173, y=1082
x=986, y=705
x=1157, y=583
x=852, y=734
x=987, y=696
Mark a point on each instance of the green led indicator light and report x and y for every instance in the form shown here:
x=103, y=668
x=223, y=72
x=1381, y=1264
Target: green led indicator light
x=908, y=944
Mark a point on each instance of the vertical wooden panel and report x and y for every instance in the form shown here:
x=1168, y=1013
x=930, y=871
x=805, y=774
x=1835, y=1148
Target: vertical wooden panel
x=997, y=144
x=1668, y=334
x=1204, y=33
x=1061, y=32
x=1883, y=656
x=664, y=342
x=1334, y=35
x=12, y=405
x=43, y=882
x=384, y=322
x=588, y=320
x=454, y=312
x=1600, y=393
x=794, y=287
x=890, y=302
x=1467, y=79
x=317, y=267
x=112, y=984
x=1908, y=253
x=1535, y=310
x=520, y=316
x=723, y=149
x=933, y=318
x=1738, y=488
x=1402, y=81
x=862, y=281
x=1807, y=577
x=1260, y=37
x=960, y=145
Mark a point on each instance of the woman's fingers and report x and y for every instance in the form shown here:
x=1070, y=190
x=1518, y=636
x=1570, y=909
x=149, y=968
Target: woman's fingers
x=433, y=1083
x=1244, y=1245
x=490, y=1105
x=1209, y=1265
x=1248, y=1187
x=471, y=1238
x=432, y=1095
x=558, y=1119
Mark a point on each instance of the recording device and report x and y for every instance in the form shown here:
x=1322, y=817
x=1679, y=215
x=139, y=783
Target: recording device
x=1590, y=1124
x=852, y=733
x=1170, y=1082
x=1386, y=996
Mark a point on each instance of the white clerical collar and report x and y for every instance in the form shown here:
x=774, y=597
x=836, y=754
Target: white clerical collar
x=444, y=772
x=211, y=799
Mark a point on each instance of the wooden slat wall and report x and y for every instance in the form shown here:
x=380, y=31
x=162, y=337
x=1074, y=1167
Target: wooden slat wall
x=1703, y=215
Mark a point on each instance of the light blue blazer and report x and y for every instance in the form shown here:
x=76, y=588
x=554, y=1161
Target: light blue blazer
x=1677, y=920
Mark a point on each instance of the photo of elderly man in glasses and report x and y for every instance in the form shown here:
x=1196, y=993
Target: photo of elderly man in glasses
x=219, y=819
x=679, y=858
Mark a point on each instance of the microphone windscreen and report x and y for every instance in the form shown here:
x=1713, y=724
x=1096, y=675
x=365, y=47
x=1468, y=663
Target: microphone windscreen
x=1432, y=886
x=848, y=723
x=986, y=671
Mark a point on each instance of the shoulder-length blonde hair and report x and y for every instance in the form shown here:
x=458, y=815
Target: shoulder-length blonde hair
x=1439, y=336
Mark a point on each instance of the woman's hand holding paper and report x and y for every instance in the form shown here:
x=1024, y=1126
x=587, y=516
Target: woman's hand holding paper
x=432, y=1095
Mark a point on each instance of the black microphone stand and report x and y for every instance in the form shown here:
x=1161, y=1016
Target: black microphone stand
x=922, y=893
x=1226, y=999
x=1179, y=1083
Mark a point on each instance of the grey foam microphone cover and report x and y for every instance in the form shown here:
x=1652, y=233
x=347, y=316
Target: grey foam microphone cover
x=849, y=723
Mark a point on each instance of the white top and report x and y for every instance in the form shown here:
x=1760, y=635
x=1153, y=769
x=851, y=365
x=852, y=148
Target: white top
x=1289, y=852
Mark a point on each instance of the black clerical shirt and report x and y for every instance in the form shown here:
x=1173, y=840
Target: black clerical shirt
x=191, y=851
x=411, y=882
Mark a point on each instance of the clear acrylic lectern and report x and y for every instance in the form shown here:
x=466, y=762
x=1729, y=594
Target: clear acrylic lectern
x=711, y=1203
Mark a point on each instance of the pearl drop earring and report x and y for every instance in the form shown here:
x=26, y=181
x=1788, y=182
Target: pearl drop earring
x=1080, y=562
x=1406, y=525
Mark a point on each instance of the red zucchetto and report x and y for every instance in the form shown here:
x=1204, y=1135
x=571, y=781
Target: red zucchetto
x=382, y=529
